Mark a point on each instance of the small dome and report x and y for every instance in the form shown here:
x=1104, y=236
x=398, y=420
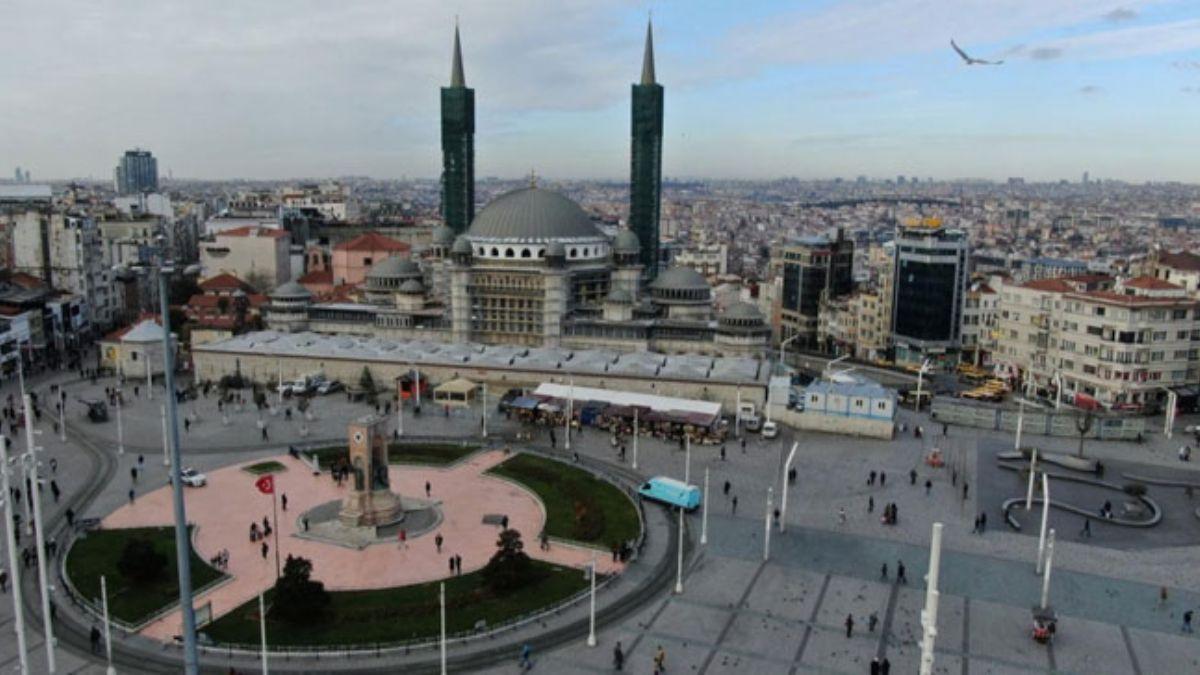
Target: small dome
x=392, y=267
x=742, y=311
x=442, y=236
x=620, y=296
x=556, y=250
x=532, y=214
x=680, y=279
x=461, y=245
x=627, y=242
x=412, y=286
x=291, y=291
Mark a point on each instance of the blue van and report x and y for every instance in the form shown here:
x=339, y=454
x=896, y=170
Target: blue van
x=671, y=492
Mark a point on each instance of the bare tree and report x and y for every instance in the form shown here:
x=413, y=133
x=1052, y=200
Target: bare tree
x=1083, y=424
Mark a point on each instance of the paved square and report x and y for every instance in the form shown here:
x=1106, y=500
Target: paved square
x=1091, y=647
x=765, y=636
x=694, y=622
x=786, y=592
x=1002, y=632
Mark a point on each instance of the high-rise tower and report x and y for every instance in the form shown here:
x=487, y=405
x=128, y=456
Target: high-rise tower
x=645, y=171
x=458, y=147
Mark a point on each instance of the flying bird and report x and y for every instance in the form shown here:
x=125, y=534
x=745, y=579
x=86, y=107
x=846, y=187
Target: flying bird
x=971, y=61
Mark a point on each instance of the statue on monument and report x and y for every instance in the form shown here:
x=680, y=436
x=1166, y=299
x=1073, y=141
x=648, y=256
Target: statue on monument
x=359, y=483
x=372, y=502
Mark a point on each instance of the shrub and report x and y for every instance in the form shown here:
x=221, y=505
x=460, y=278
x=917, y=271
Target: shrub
x=298, y=599
x=510, y=567
x=141, y=563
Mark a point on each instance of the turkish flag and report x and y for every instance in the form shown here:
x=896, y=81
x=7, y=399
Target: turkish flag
x=266, y=484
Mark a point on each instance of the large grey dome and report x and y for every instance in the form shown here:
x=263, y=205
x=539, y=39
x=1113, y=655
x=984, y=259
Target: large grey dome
x=741, y=311
x=442, y=236
x=392, y=267
x=680, y=279
x=291, y=291
x=532, y=214
x=626, y=242
x=461, y=246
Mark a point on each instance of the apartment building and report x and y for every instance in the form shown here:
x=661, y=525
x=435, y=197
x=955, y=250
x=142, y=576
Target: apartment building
x=1119, y=344
x=980, y=310
x=258, y=255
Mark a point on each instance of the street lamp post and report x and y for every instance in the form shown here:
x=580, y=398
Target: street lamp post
x=570, y=411
x=787, y=465
x=920, y=381
x=120, y=427
x=399, y=411
x=704, y=511
x=485, y=409
x=1032, y=477
x=687, y=459
x=679, y=561
x=591, y=639
x=1045, y=520
x=767, y=524
x=39, y=534
x=442, y=641
x=1020, y=423
x=10, y=539
x=1046, y=575
x=635, y=438
x=737, y=414
x=930, y=612
x=107, y=627
x=162, y=414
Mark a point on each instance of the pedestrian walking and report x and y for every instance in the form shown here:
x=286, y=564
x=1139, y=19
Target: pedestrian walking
x=885, y=666
x=1086, y=532
x=883, y=571
x=54, y=491
x=870, y=505
x=1162, y=596
x=912, y=476
x=660, y=660
x=966, y=489
x=504, y=522
x=900, y=577
x=722, y=451
x=451, y=564
x=458, y=563
x=882, y=479
x=875, y=666
x=283, y=500
x=53, y=465
x=428, y=489
x=3, y=581
x=871, y=478
x=842, y=515
x=928, y=486
x=95, y=639
x=727, y=486
x=872, y=621
x=849, y=625
x=187, y=425
x=265, y=549
x=734, y=505
x=70, y=514
x=982, y=522
x=264, y=433
x=133, y=472
x=526, y=661
x=402, y=536
x=132, y=494
x=618, y=657
x=1187, y=622
x=437, y=541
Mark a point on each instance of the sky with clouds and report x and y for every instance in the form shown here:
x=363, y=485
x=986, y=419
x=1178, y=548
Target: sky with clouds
x=754, y=88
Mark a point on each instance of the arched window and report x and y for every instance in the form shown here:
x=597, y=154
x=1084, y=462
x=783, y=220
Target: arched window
x=525, y=253
x=509, y=253
x=495, y=252
x=482, y=251
x=541, y=253
x=574, y=253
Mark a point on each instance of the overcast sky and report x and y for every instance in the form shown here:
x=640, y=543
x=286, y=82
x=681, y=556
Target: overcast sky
x=754, y=89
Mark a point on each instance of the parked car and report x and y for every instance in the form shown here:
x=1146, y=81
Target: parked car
x=753, y=422
x=329, y=387
x=671, y=492
x=770, y=429
x=193, y=478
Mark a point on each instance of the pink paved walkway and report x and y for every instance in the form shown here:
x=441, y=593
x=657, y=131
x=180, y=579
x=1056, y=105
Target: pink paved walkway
x=224, y=509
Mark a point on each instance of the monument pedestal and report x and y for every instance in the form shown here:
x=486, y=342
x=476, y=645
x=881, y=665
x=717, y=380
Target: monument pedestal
x=371, y=509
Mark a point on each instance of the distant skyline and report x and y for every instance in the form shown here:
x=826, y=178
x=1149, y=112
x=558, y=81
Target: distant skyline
x=754, y=90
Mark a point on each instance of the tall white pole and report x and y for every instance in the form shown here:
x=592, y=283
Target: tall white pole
x=417, y=372
x=485, y=409
x=570, y=411
x=107, y=626
x=399, y=412
x=687, y=459
x=679, y=562
x=591, y=639
x=1046, y=575
x=1045, y=520
x=767, y=524
x=10, y=539
x=920, y=381
x=704, y=511
x=62, y=416
x=39, y=537
x=1058, y=385
x=262, y=630
x=787, y=466
x=120, y=428
x=442, y=641
x=1169, y=421
x=166, y=453
x=1020, y=423
x=1032, y=475
x=768, y=406
x=929, y=614
x=279, y=389
x=635, y=437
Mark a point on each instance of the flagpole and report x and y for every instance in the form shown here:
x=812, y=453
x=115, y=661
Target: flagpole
x=262, y=630
x=275, y=517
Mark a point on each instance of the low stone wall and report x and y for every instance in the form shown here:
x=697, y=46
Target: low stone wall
x=833, y=424
x=1105, y=426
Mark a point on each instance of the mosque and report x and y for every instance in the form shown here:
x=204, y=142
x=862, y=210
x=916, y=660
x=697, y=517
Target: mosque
x=532, y=269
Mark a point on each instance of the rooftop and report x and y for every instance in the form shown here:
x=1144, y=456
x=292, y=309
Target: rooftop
x=1151, y=284
x=372, y=241
x=688, y=367
x=254, y=231
x=1181, y=260
x=24, y=193
x=225, y=282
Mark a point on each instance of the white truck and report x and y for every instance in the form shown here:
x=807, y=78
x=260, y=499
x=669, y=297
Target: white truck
x=302, y=385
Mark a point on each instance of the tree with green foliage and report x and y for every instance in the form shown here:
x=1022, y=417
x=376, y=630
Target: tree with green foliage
x=141, y=563
x=299, y=599
x=367, y=382
x=510, y=567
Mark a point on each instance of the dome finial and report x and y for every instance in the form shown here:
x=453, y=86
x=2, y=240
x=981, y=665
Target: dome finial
x=457, y=79
x=648, y=56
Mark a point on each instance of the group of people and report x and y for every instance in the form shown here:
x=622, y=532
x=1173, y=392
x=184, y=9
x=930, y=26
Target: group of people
x=257, y=534
x=220, y=560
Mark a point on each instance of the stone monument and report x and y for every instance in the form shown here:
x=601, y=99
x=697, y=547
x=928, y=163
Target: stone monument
x=371, y=502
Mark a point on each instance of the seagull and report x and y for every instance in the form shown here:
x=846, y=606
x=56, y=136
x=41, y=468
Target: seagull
x=973, y=61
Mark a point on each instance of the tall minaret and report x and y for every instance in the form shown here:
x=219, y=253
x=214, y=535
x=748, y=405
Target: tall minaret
x=645, y=179
x=458, y=147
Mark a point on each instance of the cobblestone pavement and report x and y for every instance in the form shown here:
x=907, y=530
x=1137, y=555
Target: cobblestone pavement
x=738, y=614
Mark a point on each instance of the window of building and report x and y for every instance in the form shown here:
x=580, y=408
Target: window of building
x=525, y=253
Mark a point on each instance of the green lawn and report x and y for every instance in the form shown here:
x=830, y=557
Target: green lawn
x=439, y=454
x=97, y=555
x=269, y=466
x=402, y=613
x=579, y=506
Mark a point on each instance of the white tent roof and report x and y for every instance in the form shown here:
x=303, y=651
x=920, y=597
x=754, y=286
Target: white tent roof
x=146, y=331
x=629, y=398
